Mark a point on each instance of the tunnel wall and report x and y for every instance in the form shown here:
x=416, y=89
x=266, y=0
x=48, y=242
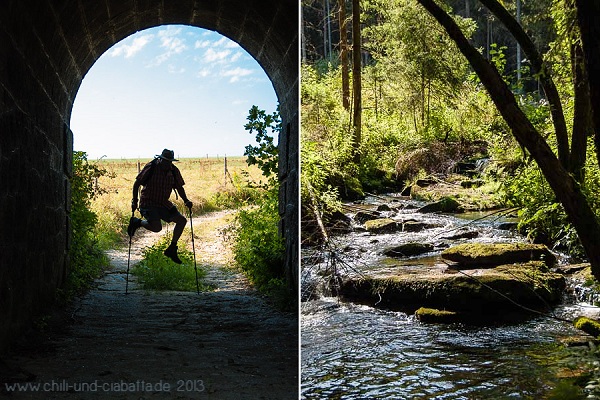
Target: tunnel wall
x=46, y=48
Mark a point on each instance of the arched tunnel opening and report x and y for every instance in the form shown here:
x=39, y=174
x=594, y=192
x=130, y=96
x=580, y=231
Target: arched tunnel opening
x=47, y=49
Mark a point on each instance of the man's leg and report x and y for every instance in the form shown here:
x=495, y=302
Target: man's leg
x=152, y=225
x=151, y=221
x=180, y=222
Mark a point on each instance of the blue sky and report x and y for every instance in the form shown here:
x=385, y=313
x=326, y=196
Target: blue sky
x=176, y=87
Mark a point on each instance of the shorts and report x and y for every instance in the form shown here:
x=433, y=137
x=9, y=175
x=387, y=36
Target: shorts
x=158, y=213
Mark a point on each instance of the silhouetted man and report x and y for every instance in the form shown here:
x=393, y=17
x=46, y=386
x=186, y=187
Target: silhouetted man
x=158, y=178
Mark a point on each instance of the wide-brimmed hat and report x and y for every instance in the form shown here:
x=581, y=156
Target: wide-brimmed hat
x=168, y=155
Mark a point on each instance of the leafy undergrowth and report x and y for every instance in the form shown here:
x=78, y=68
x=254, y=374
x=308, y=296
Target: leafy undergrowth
x=157, y=272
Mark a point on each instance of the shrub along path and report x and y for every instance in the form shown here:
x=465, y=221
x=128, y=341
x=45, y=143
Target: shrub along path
x=224, y=344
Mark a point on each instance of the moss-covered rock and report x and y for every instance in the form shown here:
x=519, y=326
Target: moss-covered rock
x=382, y=225
x=416, y=226
x=408, y=249
x=363, y=216
x=445, y=205
x=485, y=255
x=462, y=234
x=485, y=292
x=588, y=325
x=433, y=315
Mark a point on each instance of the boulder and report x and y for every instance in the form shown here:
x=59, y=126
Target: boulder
x=465, y=234
x=384, y=207
x=473, y=183
x=382, y=225
x=408, y=250
x=416, y=226
x=588, y=325
x=337, y=223
x=426, y=182
x=484, y=293
x=508, y=226
x=363, y=216
x=486, y=255
x=444, y=205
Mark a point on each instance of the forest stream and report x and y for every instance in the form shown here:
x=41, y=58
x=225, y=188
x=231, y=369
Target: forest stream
x=357, y=351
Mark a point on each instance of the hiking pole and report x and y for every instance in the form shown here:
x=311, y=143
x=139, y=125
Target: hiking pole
x=128, y=258
x=194, y=251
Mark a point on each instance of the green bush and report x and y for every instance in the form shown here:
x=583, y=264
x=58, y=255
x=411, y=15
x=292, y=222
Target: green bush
x=157, y=272
x=87, y=258
x=258, y=247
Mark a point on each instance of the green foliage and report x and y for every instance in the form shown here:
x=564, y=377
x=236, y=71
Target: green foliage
x=157, y=272
x=257, y=246
x=265, y=154
x=87, y=258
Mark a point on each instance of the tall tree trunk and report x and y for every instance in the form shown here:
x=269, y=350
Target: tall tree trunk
x=326, y=30
x=539, y=68
x=303, y=35
x=565, y=188
x=356, y=79
x=582, y=121
x=344, y=54
x=588, y=18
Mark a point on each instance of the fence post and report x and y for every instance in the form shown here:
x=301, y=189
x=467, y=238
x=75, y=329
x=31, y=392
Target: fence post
x=225, y=172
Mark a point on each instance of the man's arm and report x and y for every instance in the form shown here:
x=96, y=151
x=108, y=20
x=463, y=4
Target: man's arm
x=136, y=190
x=186, y=201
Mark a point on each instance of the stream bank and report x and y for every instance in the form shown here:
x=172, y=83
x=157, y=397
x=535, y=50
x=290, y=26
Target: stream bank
x=365, y=348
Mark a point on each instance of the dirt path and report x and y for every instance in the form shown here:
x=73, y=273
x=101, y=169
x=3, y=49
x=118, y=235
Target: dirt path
x=224, y=344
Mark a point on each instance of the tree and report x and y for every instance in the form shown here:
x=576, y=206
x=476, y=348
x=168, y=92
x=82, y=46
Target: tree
x=344, y=54
x=564, y=186
x=422, y=73
x=588, y=18
x=356, y=79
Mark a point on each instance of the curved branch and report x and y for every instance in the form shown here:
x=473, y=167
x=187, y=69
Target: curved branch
x=563, y=185
x=539, y=68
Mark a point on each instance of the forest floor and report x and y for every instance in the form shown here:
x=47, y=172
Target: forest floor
x=228, y=343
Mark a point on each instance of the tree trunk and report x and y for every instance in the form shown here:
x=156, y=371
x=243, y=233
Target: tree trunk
x=565, y=188
x=356, y=79
x=582, y=123
x=588, y=18
x=326, y=30
x=540, y=68
x=344, y=54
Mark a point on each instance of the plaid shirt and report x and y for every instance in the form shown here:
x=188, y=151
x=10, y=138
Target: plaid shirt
x=157, y=189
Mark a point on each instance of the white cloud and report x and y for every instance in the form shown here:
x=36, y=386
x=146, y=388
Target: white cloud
x=236, y=56
x=236, y=73
x=216, y=56
x=171, y=42
x=202, y=44
x=129, y=50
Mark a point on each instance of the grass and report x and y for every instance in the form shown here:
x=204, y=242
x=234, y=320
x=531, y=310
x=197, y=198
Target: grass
x=157, y=272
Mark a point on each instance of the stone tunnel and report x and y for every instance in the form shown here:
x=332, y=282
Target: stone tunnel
x=46, y=49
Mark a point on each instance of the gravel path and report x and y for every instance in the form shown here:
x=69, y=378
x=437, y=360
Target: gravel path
x=224, y=344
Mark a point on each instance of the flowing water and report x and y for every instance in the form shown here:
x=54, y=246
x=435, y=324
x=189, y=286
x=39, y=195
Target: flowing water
x=352, y=351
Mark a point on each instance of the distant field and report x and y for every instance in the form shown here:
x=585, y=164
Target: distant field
x=204, y=179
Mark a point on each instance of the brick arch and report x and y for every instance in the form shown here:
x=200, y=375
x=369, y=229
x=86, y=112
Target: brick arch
x=46, y=48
